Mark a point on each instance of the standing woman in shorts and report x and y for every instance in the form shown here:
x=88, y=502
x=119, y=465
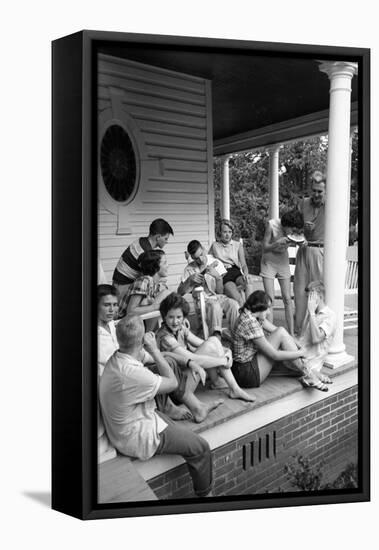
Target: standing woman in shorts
x=275, y=261
x=232, y=255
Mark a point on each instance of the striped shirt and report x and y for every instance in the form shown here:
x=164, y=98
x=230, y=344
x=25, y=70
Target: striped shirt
x=127, y=269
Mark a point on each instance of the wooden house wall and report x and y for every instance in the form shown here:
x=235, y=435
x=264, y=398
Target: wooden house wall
x=171, y=117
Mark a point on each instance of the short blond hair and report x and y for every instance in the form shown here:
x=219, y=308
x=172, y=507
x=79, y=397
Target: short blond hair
x=130, y=331
x=316, y=286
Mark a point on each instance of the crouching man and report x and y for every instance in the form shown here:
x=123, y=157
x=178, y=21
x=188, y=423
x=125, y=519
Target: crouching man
x=317, y=334
x=134, y=426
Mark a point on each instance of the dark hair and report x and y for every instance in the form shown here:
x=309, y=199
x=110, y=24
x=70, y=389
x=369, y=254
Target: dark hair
x=257, y=301
x=292, y=218
x=105, y=290
x=160, y=227
x=174, y=301
x=150, y=261
x=193, y=246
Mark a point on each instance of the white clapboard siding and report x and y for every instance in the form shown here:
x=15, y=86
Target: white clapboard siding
x=172, y=112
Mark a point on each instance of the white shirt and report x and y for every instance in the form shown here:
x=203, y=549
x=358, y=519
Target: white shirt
x=127, y=391
x=325, y=320
x=210, y=283
x=106, y=345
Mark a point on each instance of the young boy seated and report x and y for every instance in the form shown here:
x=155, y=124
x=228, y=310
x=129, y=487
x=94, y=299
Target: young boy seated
x=175, y=335
x=134, y=426
x=318, y=330
x=127, y=269
x=147, y=292
x=207, y=271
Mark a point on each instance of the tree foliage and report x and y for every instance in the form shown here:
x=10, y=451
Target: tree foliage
x=249, y=198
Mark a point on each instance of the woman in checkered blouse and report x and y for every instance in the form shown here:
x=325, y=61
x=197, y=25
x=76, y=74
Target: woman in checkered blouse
x=254, y=353
x=148, y=291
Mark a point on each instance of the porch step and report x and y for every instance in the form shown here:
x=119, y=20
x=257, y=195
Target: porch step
x=120, y=481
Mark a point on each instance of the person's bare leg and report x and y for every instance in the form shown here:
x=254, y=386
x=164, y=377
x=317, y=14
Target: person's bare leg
x=212, y=347
x=280, y=339
x=198, y=409
x=235, y=391
x=231, y=291
x=268, y=285
x=299, y=284
x=285, y=287
x=265, y=365
x=249, y=286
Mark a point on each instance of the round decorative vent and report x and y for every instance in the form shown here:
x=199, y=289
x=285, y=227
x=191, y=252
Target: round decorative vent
x=118, y=163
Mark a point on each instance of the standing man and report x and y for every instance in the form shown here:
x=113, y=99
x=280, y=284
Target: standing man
x=310, y=257
x=128, y=269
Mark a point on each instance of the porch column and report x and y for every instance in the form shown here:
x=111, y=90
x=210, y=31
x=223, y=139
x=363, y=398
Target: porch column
x=337, y=190
x=225, y=190
x=274, y=182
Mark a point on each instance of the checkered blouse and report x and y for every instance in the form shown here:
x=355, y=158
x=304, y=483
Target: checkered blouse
x=246, y=330
x=146, y=287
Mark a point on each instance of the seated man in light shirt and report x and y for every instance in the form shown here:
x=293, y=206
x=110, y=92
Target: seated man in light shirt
x=206, y=271
x=134, y=426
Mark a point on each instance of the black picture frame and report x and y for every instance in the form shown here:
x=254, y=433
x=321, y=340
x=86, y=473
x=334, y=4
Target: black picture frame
x=74, y=206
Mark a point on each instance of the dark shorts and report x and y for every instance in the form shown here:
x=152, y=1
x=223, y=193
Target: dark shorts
x=232, y=274
x=181, y=377
x=247, y=374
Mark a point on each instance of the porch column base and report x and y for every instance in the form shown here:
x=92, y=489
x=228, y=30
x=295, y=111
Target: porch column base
x=336, y=360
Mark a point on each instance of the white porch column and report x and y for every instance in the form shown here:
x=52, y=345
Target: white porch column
x=337, y=190
x=274, y=182
x=225, y=190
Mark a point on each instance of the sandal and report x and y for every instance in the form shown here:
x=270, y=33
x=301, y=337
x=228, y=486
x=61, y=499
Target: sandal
x=313, y=383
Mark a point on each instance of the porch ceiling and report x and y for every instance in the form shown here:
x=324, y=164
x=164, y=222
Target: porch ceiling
x=251, y=89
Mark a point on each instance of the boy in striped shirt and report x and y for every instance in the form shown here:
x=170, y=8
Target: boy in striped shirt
x=127, y=269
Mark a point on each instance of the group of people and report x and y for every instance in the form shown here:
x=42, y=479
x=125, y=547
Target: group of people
x=148, y=374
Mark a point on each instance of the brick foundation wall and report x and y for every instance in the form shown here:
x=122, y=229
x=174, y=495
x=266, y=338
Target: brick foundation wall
x=325, y=431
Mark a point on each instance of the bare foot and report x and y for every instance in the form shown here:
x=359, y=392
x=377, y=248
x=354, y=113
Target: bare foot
x=240, y=394
x=179, y=413
x=206, y=409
